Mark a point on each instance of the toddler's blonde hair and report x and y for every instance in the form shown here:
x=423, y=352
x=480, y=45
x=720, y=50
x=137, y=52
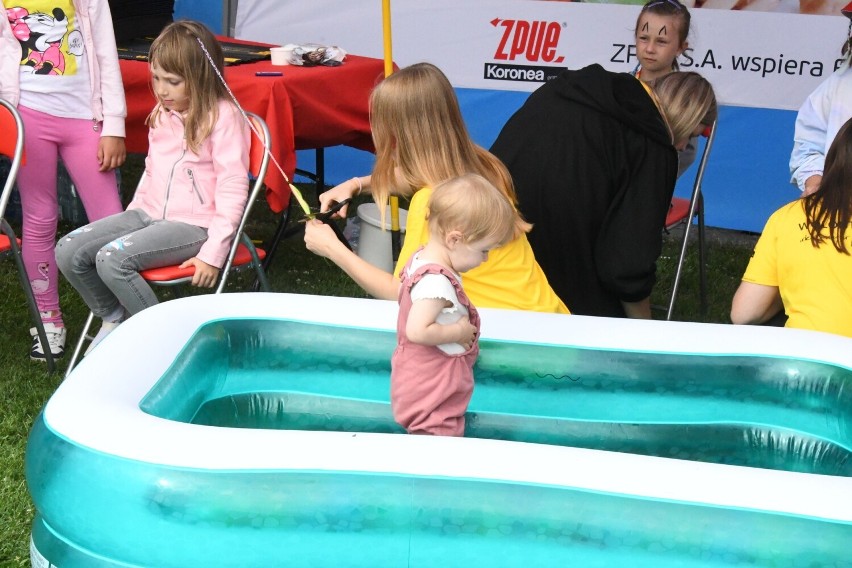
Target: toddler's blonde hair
x=473, y=205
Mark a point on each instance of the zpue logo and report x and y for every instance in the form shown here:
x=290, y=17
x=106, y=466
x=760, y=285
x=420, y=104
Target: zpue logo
x=531, y=42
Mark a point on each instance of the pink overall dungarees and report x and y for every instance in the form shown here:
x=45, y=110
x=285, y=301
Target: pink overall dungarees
x=430, y=390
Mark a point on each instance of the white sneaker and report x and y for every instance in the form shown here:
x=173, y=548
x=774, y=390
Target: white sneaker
x=106, y=328
x=55, y=339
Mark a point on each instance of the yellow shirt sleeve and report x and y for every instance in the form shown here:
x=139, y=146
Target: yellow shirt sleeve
x=416, y=228
x=763, y=266
x=510, y=279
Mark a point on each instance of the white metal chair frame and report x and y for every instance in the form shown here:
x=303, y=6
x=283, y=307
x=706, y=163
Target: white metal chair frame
x=12, y=146
x=695, y=211
x=249, y=255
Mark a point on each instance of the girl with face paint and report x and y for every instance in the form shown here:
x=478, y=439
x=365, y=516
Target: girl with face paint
x=661, y=31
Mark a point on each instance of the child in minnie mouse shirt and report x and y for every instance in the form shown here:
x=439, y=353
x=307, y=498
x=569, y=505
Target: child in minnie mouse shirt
x=59, y=67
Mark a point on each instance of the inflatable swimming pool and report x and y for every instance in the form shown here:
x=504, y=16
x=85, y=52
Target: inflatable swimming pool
x=255, y=430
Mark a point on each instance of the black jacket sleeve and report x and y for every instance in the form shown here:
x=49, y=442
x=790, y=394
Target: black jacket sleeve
x=630, y=238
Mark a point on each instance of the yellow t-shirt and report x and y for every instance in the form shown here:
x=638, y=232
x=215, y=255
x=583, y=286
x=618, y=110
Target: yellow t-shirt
x=510, y=278
x=815, y=283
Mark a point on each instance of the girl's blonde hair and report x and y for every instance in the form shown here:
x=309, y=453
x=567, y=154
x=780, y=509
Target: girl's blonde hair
x=421, y=139
x=177, y=50
x=686, y=100
x=472, y=205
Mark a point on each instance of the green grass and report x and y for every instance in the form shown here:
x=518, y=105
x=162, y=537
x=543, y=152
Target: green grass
x=726, y=262
x=25, y=386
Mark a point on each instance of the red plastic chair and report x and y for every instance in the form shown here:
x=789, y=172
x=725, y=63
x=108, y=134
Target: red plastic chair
x=12, y=146
x=243, y=253
x=683, y=211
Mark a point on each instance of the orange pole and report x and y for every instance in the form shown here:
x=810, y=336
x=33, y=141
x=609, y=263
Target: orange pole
x=396, y=237
x=386, y=35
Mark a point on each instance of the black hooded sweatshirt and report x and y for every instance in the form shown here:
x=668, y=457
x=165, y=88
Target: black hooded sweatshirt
x=594, y=168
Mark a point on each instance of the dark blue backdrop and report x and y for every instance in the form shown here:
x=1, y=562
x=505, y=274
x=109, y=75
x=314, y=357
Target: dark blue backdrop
x=207, y=11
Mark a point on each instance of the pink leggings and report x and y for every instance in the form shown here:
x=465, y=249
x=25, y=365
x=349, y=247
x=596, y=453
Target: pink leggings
x=46, y=138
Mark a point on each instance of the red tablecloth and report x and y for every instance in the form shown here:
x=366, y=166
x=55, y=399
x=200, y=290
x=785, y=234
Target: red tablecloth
x=307, y=107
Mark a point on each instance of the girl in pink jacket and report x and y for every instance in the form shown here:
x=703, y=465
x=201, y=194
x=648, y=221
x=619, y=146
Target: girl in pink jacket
x=59, y=67
x=193, y=192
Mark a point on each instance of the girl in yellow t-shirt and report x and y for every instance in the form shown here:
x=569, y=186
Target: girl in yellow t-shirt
x=421, y=140
x=802, y=262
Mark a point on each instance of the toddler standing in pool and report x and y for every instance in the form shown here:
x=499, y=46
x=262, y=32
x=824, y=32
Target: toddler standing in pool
x=437, y=326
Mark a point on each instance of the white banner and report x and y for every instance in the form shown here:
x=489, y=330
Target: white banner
x=753, y=59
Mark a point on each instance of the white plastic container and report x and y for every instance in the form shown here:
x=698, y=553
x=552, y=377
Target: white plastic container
x=280, y=55
x=374, y=244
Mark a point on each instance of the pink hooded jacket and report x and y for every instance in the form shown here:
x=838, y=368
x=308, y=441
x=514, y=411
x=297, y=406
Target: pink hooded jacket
x=208, y=189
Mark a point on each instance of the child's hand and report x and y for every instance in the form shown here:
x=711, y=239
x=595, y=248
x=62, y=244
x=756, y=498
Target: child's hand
x=423, y=329
x=205, y=274
x=320, y=239
x=812, y=184
x=467, y=332
x=345, y=190
x=111, y=152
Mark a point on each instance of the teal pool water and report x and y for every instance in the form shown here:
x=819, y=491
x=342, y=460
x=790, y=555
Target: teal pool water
x=754, y=411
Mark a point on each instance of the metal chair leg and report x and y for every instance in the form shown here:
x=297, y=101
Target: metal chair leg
x=679, y=270
x=84, y=335
x=696, y=208
x=36, y=317
x=256, y=264
x=702, y=268
x=280, y=233
x=32, y=306
x=702, y=258
x=262, y=281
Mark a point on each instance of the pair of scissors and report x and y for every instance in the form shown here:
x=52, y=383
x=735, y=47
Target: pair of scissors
x=325, y=217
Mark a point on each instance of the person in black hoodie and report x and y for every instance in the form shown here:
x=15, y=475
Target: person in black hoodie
x=594, y=161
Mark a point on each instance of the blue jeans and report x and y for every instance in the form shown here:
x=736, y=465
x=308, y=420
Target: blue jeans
x=102, y=260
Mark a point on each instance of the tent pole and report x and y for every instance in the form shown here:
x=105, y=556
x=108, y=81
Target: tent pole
x=396, y=241
x=229, y=17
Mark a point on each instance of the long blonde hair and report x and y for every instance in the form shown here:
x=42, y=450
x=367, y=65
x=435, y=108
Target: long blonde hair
x=177, y=50
x=686, y=100
x=421, y=139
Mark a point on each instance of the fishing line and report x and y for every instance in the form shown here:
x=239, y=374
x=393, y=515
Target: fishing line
x=298, y=194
